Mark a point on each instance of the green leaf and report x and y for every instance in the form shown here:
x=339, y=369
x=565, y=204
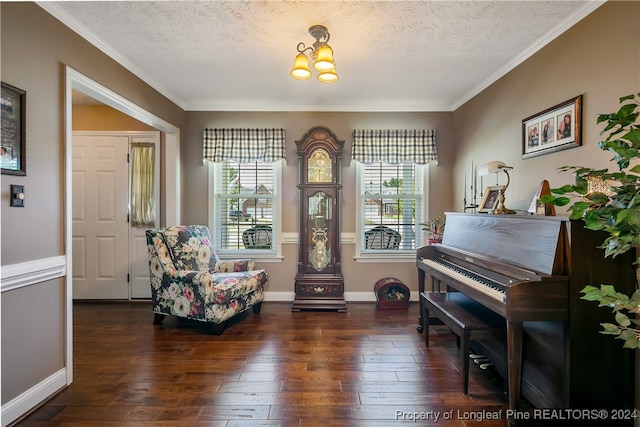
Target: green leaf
x=593, y=294
x=633, y=136
x=558, y=201
x=626, y=98
x=564, y=189
x=608, y=290
x=622, y=319
x=610, y=329
x=630, y=337
x=597, y=198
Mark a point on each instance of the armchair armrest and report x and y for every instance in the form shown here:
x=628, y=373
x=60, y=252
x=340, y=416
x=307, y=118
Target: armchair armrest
x=229, y=266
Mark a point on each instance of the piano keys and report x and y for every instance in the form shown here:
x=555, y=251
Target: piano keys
x=526, y=269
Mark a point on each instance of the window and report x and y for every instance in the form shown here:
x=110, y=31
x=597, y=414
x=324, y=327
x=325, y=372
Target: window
x=245, y=207
x=390, y=206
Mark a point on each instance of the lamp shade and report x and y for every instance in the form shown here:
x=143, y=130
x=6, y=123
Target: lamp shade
x=301, y=69
x=328, y=76
x=493, y=167
x=324, y=60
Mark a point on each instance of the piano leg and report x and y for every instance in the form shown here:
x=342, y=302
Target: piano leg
x=514, y=365
x=421, y=278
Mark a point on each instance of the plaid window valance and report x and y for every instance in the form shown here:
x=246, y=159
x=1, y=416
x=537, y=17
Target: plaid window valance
x=395, y=146
x=243, y=145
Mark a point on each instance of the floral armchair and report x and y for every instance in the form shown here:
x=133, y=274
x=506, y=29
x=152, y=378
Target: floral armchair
x=189, y=280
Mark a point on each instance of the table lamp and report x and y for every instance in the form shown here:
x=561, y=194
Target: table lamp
x=496, y=167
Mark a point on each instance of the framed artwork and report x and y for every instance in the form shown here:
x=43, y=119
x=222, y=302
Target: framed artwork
x=13, y=157
x=554, y=129
x=490, y=198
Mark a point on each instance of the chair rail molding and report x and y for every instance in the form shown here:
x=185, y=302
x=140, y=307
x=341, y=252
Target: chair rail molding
x=15, y=276
x=292, y=237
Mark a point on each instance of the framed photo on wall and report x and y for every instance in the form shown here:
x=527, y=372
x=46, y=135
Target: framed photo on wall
x=490, y=198
x=13, y=157
x=554, y=129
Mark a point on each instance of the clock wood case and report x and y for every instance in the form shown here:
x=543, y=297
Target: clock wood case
x=319, y=284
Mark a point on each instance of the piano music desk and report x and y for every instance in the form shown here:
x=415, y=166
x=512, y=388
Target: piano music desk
x=466, y=318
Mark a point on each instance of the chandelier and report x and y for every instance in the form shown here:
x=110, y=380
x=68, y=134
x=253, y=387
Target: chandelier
x=322, y=56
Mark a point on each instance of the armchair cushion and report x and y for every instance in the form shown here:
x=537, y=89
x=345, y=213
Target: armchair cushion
x=235, y=265
x=190, y=248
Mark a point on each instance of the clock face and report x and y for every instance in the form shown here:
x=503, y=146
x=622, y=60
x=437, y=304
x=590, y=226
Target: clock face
x=319, y=166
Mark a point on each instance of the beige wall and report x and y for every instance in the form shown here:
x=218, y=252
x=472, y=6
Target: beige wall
x=598, y=58
x=35, y=47
x=104, y=118
x=359, y=277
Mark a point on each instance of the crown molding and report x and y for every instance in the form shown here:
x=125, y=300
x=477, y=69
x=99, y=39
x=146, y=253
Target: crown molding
x=578, y=15
x=61, y=15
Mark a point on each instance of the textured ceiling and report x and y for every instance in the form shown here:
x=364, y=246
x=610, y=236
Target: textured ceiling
x=390, y=55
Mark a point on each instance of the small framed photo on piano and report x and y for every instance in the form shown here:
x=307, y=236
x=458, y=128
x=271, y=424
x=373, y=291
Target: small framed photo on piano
x=490, y=198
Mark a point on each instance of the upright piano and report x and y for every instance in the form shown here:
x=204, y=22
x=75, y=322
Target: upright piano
x=530, y=270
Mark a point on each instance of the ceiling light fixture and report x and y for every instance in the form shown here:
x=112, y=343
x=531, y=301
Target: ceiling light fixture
x=322, y=56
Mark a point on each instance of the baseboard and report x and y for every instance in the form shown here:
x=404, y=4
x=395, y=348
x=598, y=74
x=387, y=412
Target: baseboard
x=19, y=406
x=279, y=296
x=348, y=296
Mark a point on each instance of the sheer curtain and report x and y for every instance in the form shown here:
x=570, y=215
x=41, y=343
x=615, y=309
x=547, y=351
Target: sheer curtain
x=143, y=185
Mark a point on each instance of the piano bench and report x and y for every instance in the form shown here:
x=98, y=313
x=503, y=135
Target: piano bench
x=466, y=318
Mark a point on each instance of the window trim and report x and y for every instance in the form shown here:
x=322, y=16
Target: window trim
x=260, y=255
x=389, y=256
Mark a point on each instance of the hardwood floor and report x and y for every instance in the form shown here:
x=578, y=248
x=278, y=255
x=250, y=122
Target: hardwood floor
x=366, y=367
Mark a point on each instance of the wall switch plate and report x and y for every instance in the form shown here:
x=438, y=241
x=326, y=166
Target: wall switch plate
x=17, y=196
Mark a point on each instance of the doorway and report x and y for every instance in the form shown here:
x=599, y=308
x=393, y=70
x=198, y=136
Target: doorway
x=169, y=178
x=110, y=259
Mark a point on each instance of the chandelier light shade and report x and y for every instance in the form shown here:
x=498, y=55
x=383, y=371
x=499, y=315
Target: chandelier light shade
x=328, y=77
x=301, y=69
x=321, y=54
x=324, y=59
x=497, y=167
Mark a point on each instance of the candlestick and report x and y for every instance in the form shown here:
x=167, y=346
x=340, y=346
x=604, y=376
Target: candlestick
x=471, y=183
x=475, y=178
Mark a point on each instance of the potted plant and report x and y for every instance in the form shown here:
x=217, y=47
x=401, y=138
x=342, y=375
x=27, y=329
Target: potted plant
x=434, y=229
x=616, y=211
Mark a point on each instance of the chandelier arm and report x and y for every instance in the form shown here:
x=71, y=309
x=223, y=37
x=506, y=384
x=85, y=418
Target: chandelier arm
x=302, y=48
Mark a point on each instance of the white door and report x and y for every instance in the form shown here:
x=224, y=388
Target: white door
x=140, y=283
x=110, y=258
x=100, y=207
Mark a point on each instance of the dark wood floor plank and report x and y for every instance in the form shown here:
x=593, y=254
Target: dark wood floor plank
x=367, y=367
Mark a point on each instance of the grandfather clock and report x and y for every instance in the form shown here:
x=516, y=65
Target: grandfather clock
x=319, y=284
